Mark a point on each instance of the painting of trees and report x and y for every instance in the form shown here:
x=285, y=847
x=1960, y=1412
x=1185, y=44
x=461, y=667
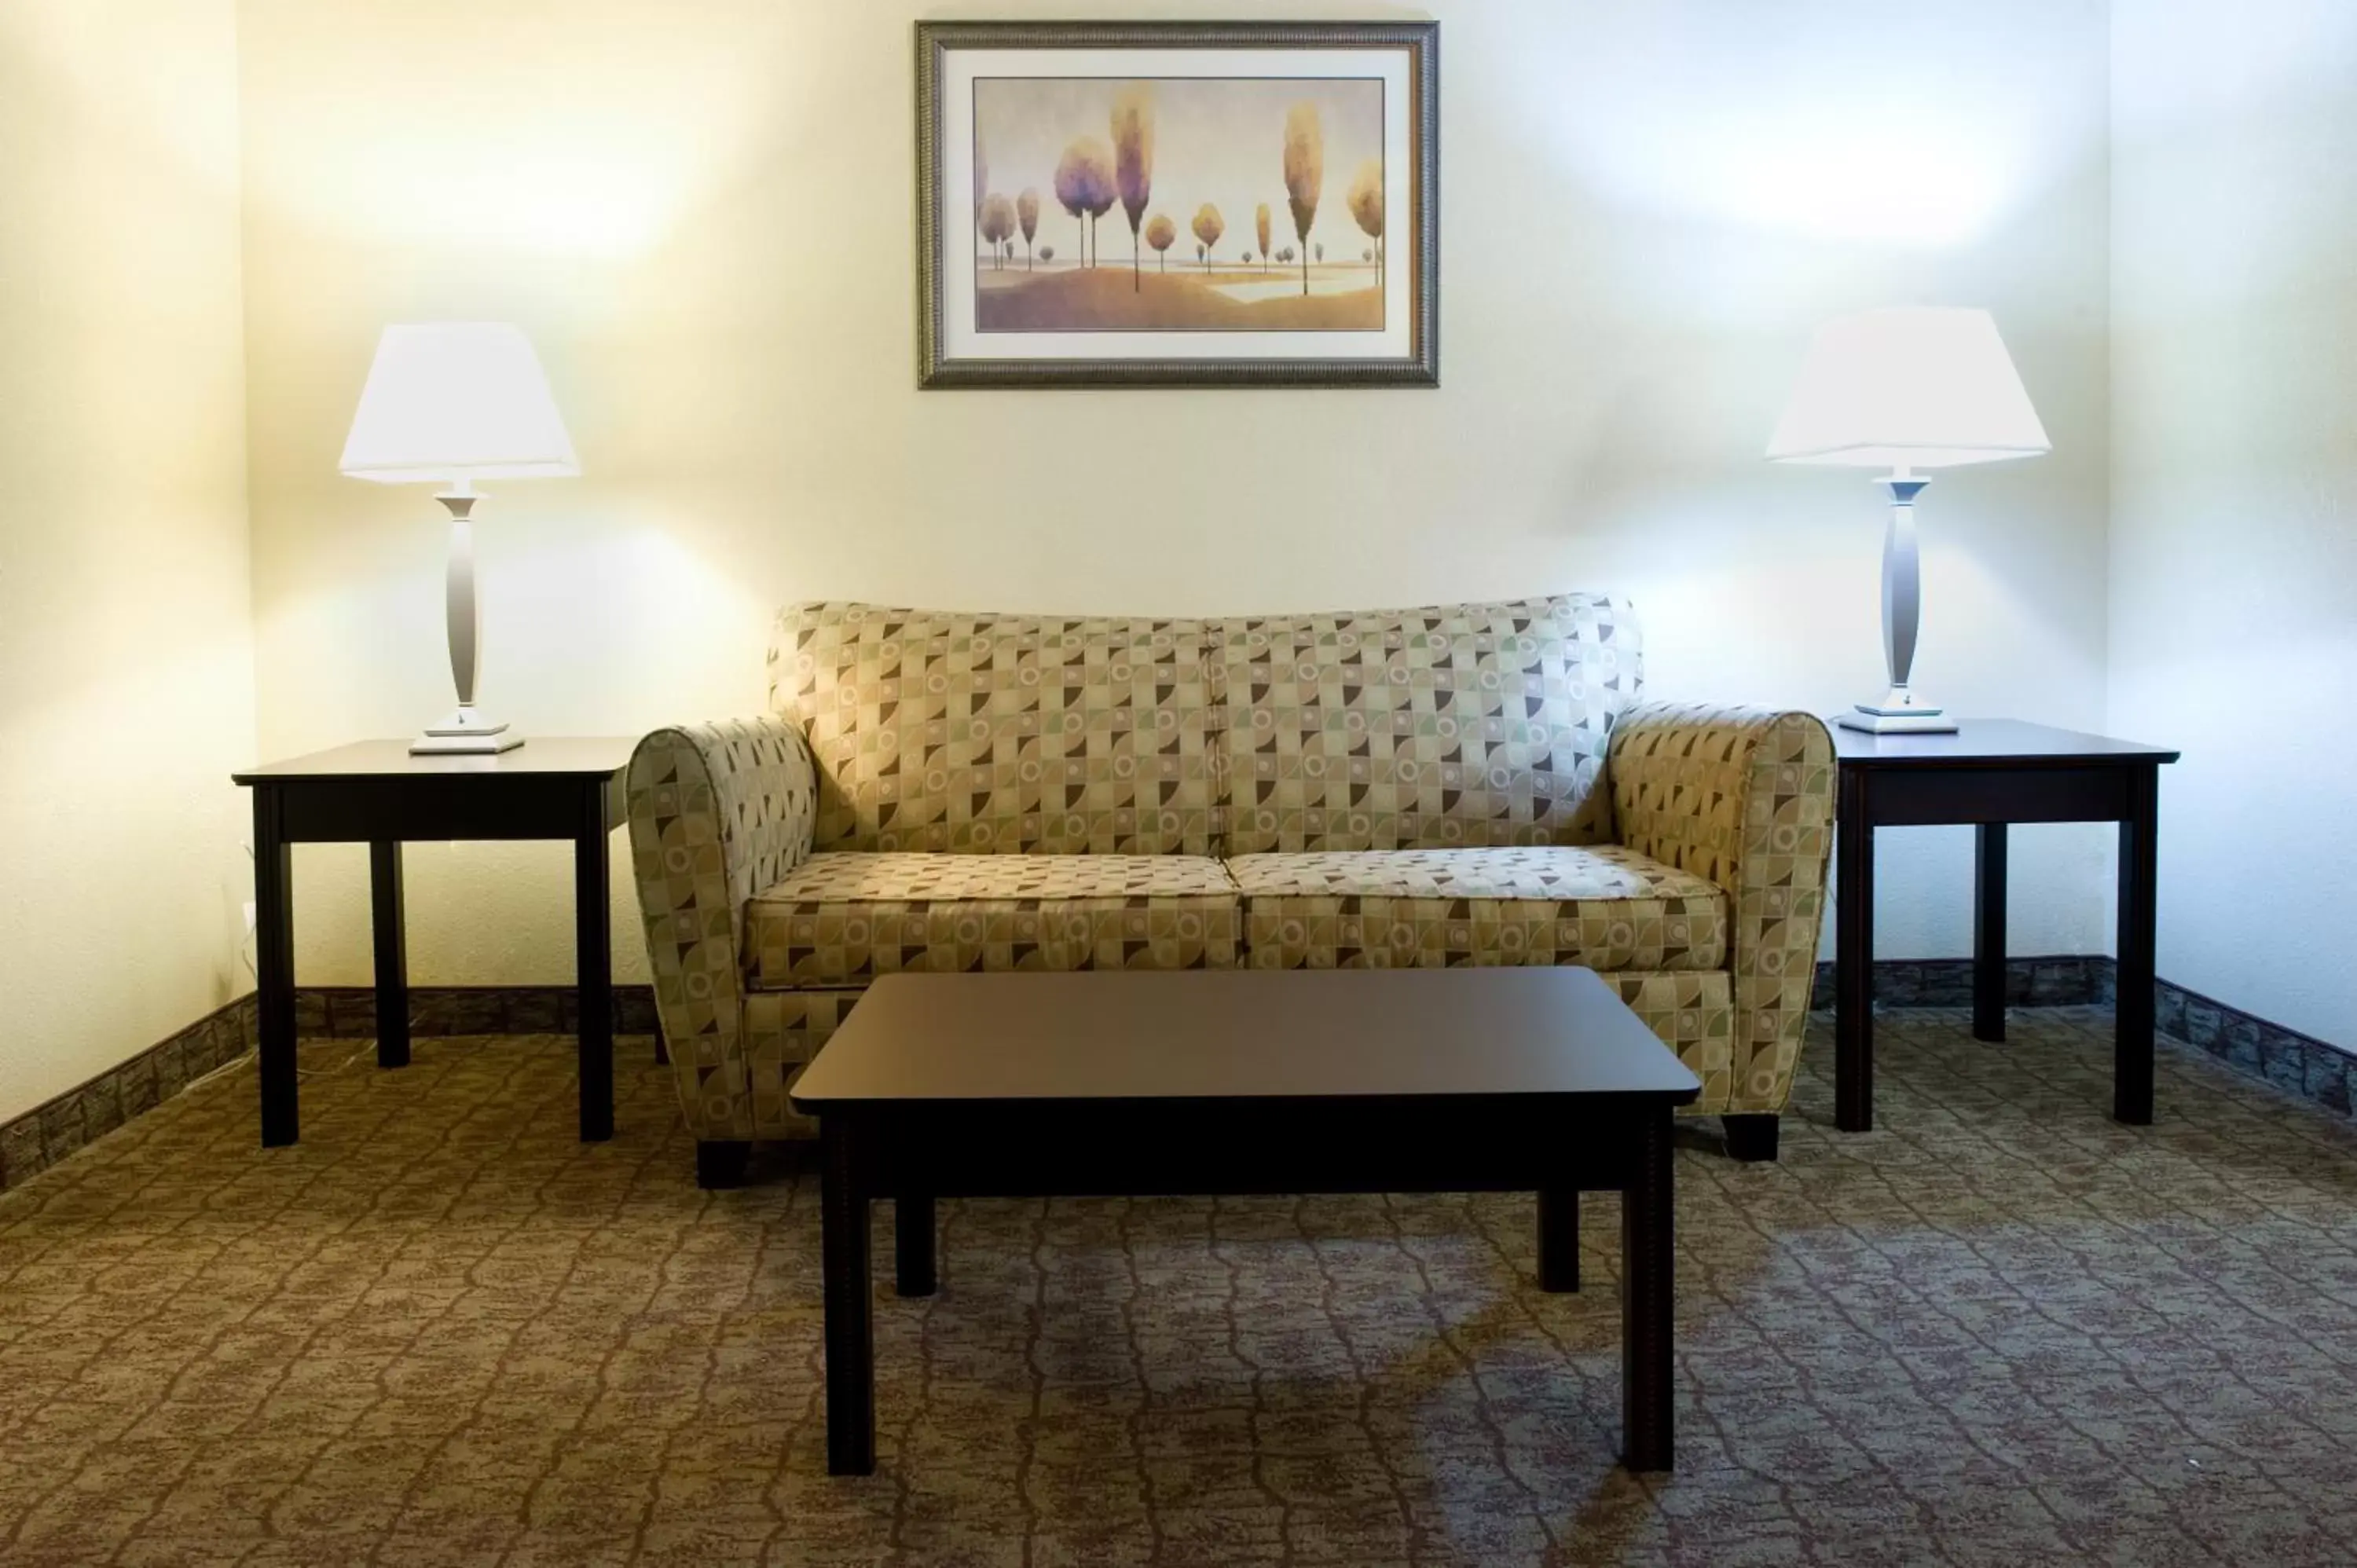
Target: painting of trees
x=1181, y=133
x=1084, y=186
x=1072, y=192
x=997, y=226
x=1209, y=226
x=1182, y=160
x=1304, y=173
x=1133, y=153
x=1366, y=203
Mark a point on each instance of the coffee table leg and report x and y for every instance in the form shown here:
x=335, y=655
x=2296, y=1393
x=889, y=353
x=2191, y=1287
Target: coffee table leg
x=1559, y=1239
x=1648, y=1346
x=850, y=1326
x=913, y=1243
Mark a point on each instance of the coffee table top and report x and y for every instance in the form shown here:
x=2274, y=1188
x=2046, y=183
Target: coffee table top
x=1240, y=1034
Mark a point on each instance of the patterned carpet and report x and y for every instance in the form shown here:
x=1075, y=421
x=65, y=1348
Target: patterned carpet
x=2001, y=1330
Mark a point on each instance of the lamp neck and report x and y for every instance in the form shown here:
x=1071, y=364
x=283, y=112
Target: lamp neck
x=1904, y=485
x=459, y=490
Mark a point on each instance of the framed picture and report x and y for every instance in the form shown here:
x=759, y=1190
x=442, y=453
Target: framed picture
x=1178, y=203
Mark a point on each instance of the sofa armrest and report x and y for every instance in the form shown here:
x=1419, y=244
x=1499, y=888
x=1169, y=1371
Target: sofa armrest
x=1744, y=796
x=717, y=811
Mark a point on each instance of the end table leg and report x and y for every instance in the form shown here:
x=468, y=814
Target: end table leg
x=913, y=1243
x=1853, y=959
x=1559, y=1239
x=593, y=938
x=2139, y=906
x=1989, y=932
x=1648, y=1294
x=850, y=1327
x=392, y=953
x=274, y=969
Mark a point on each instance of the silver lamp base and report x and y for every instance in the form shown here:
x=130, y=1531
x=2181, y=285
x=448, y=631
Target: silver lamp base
x=465, y=732
x=1898, y=712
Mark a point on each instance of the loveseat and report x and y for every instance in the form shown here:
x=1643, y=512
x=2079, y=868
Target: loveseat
x=1464, y=784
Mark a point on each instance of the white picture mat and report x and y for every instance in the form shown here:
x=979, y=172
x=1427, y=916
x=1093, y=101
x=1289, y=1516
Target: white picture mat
x=961, y=244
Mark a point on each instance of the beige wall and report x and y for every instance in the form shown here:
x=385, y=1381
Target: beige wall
x=701, y=209
x=2234, y=562
x=126, y=676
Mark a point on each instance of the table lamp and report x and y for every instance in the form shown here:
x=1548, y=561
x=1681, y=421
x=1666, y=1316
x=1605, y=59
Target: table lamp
x=1906, y=389
x=453, y=403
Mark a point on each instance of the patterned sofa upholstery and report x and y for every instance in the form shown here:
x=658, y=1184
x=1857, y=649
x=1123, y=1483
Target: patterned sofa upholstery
x=1464, y=784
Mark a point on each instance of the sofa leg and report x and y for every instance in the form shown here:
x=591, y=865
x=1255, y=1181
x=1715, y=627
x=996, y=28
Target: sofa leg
x=1751, y=1138
x=721, y=1164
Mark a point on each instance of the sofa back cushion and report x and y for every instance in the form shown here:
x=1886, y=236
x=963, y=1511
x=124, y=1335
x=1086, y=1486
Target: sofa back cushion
x=1476, y=725
x=942, y=731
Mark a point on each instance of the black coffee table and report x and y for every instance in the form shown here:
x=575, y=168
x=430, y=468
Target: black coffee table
x=1245, y=1081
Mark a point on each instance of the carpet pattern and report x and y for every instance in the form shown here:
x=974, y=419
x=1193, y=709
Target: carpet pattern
x=1998, y=1330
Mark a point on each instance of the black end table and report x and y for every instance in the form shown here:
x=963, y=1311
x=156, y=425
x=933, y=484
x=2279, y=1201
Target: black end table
x=374, y=792
x=1247, y=1080
x=1991, y=773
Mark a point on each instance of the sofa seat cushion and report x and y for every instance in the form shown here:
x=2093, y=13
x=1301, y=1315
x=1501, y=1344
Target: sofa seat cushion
x=844, y=918
x=1602, y=907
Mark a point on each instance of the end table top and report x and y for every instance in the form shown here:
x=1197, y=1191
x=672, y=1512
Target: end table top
x=1240, y=1034
x=1991, y=743
x=542, y=755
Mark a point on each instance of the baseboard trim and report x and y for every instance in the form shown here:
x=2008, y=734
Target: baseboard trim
x=32, y=1143
x=349, y=1011
x=2056, y=979
x=2299, y=1065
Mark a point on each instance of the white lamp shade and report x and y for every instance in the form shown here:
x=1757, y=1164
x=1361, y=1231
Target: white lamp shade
x=1916, y=387
x=457, y=401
